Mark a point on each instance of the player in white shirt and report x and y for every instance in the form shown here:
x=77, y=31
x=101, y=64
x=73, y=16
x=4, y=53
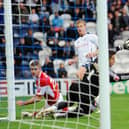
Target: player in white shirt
x=86, y=48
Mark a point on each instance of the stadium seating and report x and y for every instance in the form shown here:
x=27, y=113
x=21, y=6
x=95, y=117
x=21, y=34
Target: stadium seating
x=121, y=65
x=67, y=20
x=118, y=43
x=39, y=36
x=20, y=29
x=121, y=68
x=71, y=69
x=91, y=27
x=122, y=56
x=67, y=24
x=44, y=53
x=125, y=35
x=66, y=17
x=50, y=18
x=56, y=63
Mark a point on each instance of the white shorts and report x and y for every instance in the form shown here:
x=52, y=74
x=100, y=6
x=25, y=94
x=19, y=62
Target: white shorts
x=59, y=100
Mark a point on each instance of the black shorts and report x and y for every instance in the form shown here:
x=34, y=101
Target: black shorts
x=83, y=92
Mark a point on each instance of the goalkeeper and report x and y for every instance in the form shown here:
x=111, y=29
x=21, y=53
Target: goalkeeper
x=46, y=87
x=82, y=94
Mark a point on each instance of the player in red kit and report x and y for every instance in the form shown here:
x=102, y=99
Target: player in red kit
x=46, y=87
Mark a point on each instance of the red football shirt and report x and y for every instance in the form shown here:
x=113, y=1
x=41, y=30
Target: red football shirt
x=47, y=87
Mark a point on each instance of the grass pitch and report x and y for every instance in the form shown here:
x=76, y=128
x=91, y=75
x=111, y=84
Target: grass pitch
x=120, y=111
x=119, y=117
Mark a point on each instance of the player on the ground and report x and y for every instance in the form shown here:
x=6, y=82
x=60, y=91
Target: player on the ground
x=46, y=87
x=80, y=98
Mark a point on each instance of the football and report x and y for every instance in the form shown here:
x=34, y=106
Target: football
x=126, y=44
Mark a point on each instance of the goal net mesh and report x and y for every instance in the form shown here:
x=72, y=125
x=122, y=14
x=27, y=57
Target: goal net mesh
x=37, y=35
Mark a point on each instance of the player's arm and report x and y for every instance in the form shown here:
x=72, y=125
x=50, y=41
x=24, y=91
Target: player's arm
x=92, y=54
x=95, y=44
x=30, y=101
x=113, y=76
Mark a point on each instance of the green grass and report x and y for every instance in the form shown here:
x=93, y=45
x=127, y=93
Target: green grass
x=119, y=117
x=120, y=111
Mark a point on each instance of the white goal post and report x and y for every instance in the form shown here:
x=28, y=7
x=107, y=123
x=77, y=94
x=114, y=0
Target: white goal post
x=9, y=60
x=102, y=30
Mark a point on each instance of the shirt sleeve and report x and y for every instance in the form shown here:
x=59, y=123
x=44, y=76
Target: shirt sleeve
x=94, y=39
x=42, y=84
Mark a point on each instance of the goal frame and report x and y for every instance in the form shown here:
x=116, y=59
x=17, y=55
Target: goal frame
x=9, y=60
x=102, y=29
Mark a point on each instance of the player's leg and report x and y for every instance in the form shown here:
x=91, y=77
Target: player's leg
x=83, y=93
x=41, y=113
x=49, y=108
x=71, y=113
x=63, y=106
x=57, y=107
x=74, y=95
x=93, y=89
x=29, y=114
x=97, y=101
x=95, y=85
x=78, y=93
x=71, y=97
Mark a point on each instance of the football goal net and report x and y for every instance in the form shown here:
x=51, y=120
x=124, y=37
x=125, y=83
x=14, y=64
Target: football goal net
x=45, y=30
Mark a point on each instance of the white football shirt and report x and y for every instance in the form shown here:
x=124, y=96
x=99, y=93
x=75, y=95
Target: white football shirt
x=84, y=45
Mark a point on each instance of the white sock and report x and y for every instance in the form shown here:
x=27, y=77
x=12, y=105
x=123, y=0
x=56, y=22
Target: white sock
x=27, y=114
x=58, y=115
x=72, y=108
x=51, y=109
x=97, y=101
